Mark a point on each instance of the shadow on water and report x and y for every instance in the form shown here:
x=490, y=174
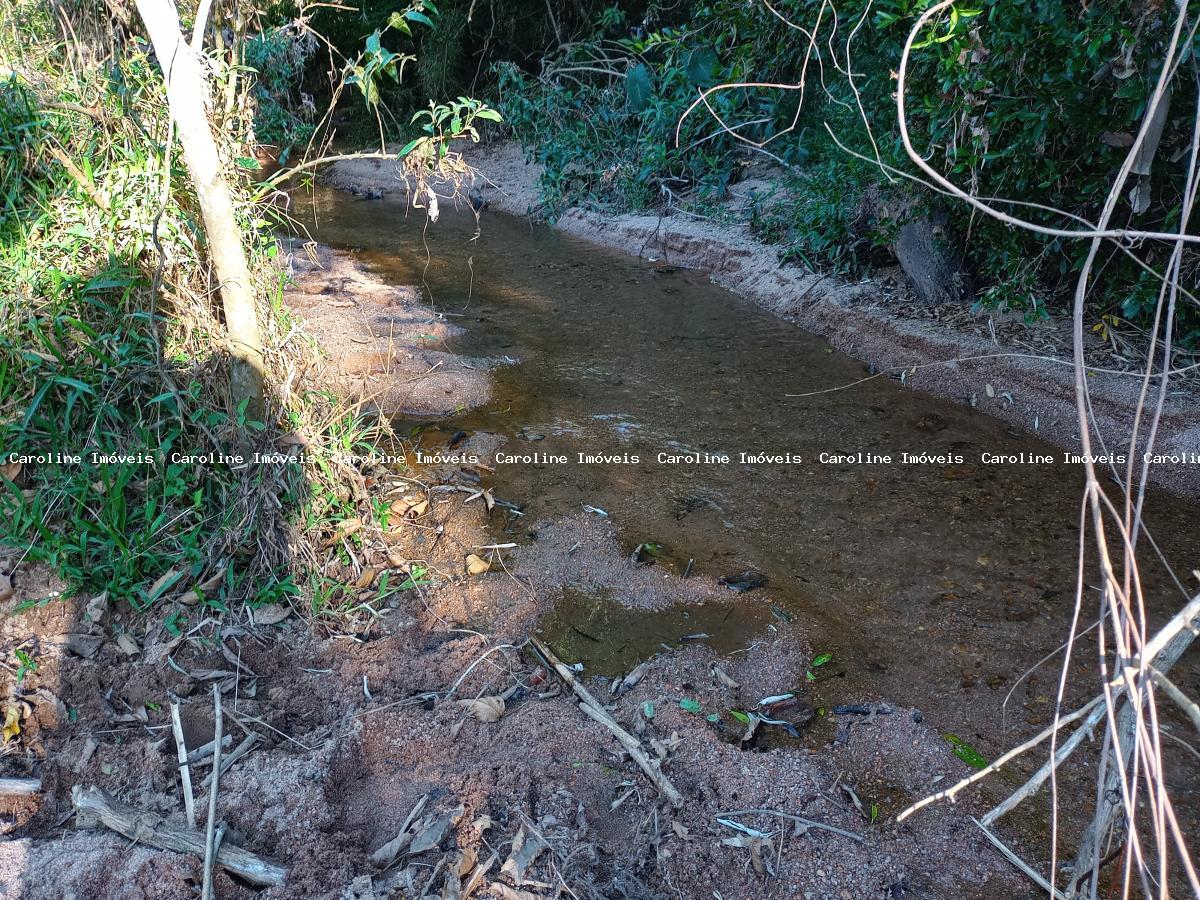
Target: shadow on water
x=934, y=584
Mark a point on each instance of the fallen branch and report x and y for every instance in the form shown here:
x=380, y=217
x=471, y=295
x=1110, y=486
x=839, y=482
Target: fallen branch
x=800, y=820
x=210, y=826
x=19, y=787
x=185, y=772
x=150, y=829
x=238, y=752
x=592, y=708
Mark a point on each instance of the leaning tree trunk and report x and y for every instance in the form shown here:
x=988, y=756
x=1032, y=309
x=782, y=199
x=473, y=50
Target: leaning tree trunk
x=187, y=96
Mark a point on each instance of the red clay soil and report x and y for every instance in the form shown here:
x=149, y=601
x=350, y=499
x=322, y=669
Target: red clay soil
x=355, y=729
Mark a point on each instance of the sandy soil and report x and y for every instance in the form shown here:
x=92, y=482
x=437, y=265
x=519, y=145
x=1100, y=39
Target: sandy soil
x=1015, y=372
x=381, y=347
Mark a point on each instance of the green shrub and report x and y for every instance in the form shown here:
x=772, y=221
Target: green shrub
x=1006, y=98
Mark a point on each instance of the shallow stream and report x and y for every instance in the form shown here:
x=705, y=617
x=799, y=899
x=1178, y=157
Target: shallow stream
x=933, y=584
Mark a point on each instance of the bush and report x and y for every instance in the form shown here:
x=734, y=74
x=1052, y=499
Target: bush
x=1008, y=99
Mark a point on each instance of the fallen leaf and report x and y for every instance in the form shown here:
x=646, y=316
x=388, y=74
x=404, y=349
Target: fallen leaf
x=6, y=588
x=720, y=675
x=433, y=833
x=162, y=584
x=476, y=566
x=97, y=608
x=127, y=644
x=84, y=645
x=10, y=471
x=680, y=829
x=485, y=709
x=366, y=579
x=528, y=845
x=12, y=722
x=272, y=615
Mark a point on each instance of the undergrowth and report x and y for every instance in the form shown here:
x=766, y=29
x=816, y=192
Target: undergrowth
x=1030, y=102
x=111, y=344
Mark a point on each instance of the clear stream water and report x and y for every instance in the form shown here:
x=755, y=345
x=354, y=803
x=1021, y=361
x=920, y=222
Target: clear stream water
x=934, y=585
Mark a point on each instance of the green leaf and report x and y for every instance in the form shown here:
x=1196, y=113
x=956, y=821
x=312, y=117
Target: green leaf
x=490, y=114
x=965, y=751
x=248, y=162
x=413, y=16
x=689, y=705
x=740, y=716
x=648, y=710
x=637, y=87
x=821, y=659
x=398, y=22
x=701, y=65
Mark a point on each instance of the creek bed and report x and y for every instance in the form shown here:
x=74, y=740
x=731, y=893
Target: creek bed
x=934, y=579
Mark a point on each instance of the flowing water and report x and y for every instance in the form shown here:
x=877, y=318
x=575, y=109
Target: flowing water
x=933, y=584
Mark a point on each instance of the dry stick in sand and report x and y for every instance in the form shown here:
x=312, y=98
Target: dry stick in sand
x=149, y=828
x=185, y=772
x=238, y=752
x=210, y=827
x=592, y=708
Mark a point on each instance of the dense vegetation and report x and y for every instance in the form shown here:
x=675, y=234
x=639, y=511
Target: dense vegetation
x=1032, y=102
x=111, y=343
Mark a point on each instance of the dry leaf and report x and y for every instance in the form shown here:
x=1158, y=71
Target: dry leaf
x=97, y=608
x=366, y=579
x=10, y=471
x=485, y=709
x=526, y=848
x=434, y=832
x=720, y=675
x=12, y=722
x=419, y=509
x=164, y=582
x=127, y=644
x=272, y=615
x=476, y=566
x=6, y=588
x=84, y=645
x=680, y=829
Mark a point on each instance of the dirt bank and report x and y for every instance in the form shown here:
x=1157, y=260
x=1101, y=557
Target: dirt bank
x=1017, y=372
x=354, y=729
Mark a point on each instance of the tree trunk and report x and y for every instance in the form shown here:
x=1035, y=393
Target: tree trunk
x=187, y=97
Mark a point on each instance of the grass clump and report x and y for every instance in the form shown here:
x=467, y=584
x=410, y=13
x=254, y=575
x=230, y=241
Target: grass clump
x=125, y=467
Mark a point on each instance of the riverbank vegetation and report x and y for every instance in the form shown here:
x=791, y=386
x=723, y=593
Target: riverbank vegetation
x=1033, y=105
x=113, y=344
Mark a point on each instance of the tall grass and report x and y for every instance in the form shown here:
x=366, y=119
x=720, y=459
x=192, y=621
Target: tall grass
x=111, y=344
